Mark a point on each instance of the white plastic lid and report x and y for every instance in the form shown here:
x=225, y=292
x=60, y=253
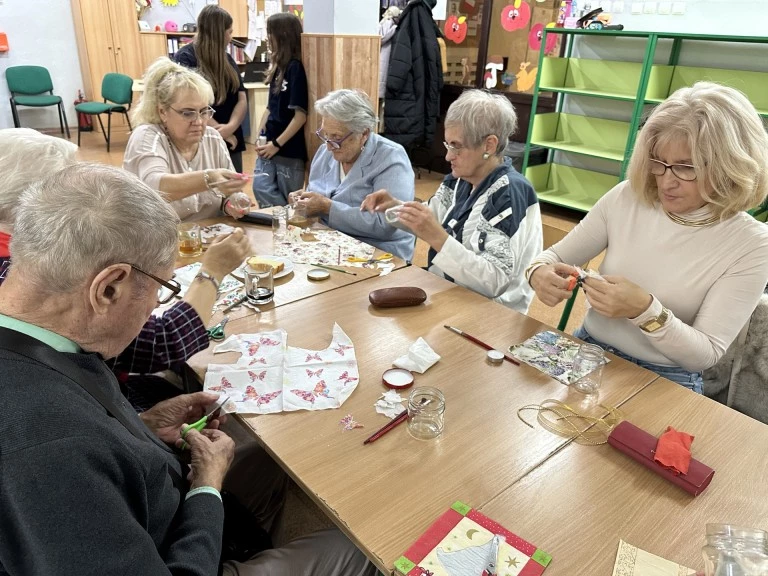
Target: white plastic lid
x=317, y=274
x=397, y=378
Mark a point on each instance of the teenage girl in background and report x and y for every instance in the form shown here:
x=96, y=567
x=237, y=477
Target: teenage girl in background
x=280, y=165
x=208, y=54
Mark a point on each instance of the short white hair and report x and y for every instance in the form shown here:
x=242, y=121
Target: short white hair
x=79, y=220
x=480, y=114
x=26, y=156
x=350, y=107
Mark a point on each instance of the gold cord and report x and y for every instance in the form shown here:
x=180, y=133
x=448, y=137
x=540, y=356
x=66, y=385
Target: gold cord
x=559, y=418
x=693, y=223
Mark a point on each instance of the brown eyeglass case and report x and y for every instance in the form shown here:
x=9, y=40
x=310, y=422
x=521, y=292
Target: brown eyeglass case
x=397, y=297
x=641, y=446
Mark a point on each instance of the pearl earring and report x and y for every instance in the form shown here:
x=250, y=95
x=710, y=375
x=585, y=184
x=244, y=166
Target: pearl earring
x=486, y=156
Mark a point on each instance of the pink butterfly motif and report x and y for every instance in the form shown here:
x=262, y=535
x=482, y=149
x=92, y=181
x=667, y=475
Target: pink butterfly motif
x=349, y=423
x=268, y=341
x=253, y=347
x=304, y=395
x=321, y=389
x=311, y=373
x=315, y=356
x=251, y=394
x=346, y=378
x=258, y=361
x=260, y=376
x=341, y=348
x=222, y=386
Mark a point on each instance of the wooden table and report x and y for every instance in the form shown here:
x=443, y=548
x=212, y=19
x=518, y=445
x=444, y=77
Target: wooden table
x=294, y=286
x=579, y=503
x=385, y=494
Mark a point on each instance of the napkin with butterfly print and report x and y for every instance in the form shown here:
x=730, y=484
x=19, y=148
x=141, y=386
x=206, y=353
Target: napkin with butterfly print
x=272, y=377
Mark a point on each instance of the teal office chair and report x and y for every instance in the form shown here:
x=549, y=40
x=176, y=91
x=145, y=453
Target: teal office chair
x=32, y=86
x=117, y=92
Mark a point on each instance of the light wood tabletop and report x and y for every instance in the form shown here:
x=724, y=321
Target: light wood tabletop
x=385, y=494
x=578, y=504
x=295, y=285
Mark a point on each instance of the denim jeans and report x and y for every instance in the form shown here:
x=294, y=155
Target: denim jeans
x=275, y=178
x=691, y=380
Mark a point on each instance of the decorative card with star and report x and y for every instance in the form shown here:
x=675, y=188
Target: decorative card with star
x=272, y=377
x=460, y=543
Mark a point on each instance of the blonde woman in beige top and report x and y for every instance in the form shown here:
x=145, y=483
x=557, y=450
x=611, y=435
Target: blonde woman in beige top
x=684, y=264
x=175, y=152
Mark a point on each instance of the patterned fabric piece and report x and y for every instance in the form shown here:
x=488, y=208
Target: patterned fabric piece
x=331, y=247
x=272, y=377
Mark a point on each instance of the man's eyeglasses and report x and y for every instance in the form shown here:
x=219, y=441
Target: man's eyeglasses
x=335, y=144
x=192, y=115
x=169, y=288
x=682, y=171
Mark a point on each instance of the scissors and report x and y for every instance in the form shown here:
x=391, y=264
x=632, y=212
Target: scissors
x=217, y=332
x=372, y=260
x=212, y=414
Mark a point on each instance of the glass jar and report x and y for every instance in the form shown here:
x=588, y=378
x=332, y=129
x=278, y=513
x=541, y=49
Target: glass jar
x=735, y=551
x=279, y=223
x=587, y=370
x=426, y=413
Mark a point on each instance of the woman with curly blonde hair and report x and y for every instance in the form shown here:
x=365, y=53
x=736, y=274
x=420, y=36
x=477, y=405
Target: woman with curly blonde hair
x=684, y=264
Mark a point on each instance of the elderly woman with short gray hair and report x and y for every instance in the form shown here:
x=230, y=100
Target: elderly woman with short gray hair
x=483, y=225
x=354, y=163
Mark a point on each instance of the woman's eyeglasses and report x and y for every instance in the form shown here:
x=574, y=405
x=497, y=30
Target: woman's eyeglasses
x=684, y=172
x=455, y=150
x=168, y=289
x=335, y=144
x=192, y=115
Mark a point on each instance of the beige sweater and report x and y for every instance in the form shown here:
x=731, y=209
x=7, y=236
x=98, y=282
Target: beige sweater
x=150, y=155
x=709, y=278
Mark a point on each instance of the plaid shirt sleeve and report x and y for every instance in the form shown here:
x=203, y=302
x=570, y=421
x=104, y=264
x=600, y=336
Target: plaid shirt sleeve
x=163, y=342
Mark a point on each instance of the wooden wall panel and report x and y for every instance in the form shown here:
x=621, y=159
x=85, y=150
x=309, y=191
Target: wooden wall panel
x=338, y=61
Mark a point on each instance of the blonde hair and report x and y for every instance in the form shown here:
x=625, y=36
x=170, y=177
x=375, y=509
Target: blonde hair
x=27, y=156
x=163, y=81
x=729, y=146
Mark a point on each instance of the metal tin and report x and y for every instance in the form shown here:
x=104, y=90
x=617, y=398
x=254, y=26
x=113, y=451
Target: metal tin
x=495, y=357
x=397, y=378
x=317, y=274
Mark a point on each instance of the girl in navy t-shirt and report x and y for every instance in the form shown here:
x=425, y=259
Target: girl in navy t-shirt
x=280, y=165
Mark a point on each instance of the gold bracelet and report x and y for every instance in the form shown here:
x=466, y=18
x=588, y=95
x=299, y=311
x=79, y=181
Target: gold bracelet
x=207, y=177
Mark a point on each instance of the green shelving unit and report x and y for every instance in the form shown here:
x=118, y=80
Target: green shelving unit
x=642, y=83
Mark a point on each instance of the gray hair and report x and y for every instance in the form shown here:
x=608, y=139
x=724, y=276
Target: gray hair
x=26, y=156
x=350, y=107
x=480, y=114
x=76, y=222
x=163, y=81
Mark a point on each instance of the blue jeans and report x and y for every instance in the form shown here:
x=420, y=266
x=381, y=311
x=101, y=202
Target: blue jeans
x=691, y=380
x=275, y=178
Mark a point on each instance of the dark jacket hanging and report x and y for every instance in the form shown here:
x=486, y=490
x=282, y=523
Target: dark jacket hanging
x=415, y=78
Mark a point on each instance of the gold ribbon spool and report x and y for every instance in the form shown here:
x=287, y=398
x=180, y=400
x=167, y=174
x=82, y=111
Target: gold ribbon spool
x=559, y=418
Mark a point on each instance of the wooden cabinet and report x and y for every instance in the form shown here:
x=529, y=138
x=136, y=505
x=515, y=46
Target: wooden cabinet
x=107, y=40
x=238, y=9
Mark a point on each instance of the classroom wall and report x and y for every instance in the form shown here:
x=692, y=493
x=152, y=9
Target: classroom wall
x=52, y=45
x=356, y=17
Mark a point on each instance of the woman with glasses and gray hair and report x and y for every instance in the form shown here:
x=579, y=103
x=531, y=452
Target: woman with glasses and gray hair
x=354, y=163
x=684, y=264
x=483, y=226
x=174, y=151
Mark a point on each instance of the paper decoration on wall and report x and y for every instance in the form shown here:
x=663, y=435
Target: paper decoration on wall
x=271, y=376
x=461, y=542
x=536, y=34
x=170, y=2
x=465, y=71
x=456, y=28
x=296, y=9
x=494, y=66
x=526, y=78
x=508, y=79
x=515, y=16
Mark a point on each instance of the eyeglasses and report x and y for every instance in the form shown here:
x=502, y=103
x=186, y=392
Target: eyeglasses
x=170, y=288
x=453, y=149
x=682, y=171
x=192, y=115
x=335, y=144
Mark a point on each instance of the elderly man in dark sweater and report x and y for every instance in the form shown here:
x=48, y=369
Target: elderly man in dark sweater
x=88, y=487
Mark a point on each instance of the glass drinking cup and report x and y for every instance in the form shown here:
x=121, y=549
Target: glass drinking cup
x=190, y=240
x=259, y=284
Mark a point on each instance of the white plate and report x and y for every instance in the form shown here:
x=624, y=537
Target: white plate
x=239, y=272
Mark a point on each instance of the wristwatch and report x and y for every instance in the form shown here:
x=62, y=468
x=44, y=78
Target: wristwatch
x=655, y=323
x=209, y=278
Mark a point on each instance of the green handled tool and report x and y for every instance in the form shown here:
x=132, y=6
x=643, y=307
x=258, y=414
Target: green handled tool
x=212, y=414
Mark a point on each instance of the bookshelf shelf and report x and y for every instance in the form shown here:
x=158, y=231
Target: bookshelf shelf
x=643, y=82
